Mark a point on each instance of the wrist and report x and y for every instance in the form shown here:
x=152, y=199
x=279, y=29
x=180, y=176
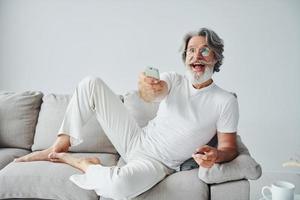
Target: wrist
x=144, y=96
x=218, y=155
x=225, y=155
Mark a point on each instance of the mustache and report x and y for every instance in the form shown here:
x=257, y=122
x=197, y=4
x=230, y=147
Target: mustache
x=201, y=62
x=193, y=61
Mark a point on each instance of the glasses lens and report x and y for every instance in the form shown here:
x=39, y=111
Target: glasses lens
x=205, y=51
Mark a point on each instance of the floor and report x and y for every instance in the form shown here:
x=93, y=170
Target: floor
x=268, y=177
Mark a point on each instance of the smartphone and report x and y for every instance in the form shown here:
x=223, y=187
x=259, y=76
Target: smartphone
x=152, y=72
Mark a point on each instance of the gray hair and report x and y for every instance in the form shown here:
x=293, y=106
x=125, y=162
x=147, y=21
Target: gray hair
x=214, y=42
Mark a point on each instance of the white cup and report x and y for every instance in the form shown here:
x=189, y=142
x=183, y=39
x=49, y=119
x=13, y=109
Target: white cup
x=280, y=190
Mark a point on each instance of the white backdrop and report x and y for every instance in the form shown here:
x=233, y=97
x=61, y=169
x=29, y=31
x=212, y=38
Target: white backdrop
x=51, y=45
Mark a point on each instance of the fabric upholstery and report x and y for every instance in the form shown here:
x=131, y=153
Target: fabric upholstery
x=18, y=116
x=49, y=121
x=46, y=180
x=242, y=167
x=233, y=190
x=7, y=155
x=178, y=186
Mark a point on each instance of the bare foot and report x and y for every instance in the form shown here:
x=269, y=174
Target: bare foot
x=79, y=163
x=35, y=156
x=61, y=144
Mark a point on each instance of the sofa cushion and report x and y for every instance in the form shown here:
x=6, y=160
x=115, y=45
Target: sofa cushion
x=51, y=115
x=46, y=180
x=242, y=167
x=178, y=186
x=7, y=155
x=233, y=190
x=18, y=116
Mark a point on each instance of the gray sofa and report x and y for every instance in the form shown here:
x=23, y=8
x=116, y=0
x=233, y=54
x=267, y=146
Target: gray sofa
x=30, y=120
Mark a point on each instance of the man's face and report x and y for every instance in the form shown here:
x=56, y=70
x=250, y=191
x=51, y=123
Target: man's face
x=199, y=56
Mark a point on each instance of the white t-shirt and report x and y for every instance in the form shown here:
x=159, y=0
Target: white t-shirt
x=188, y=118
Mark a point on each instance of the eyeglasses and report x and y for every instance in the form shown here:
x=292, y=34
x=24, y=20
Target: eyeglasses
x=205, y=51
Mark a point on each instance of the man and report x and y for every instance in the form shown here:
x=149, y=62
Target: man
x=191, y=111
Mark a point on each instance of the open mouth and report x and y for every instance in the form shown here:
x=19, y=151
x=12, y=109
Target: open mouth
x=198, y=67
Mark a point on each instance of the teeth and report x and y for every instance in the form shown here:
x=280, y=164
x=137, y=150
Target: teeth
x=198, y=65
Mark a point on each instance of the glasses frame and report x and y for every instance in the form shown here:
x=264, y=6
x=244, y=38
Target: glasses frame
x=200, y=51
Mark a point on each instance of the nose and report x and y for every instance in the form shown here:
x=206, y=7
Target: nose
x=199, y=55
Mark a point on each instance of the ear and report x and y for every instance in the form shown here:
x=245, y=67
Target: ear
x=215, y=59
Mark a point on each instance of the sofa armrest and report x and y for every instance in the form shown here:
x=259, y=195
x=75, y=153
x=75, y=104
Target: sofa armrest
x=242, y=167
x=233, y=190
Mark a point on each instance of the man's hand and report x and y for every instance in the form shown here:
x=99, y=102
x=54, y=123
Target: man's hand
x=151, y=89
x=206, y=156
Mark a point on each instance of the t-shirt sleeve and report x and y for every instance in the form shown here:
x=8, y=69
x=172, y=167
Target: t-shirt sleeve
x=169, y=78
x=229, y=117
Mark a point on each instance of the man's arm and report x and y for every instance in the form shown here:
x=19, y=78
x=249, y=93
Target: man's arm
x=227, y=148
x=151, y=89
x=207, y=156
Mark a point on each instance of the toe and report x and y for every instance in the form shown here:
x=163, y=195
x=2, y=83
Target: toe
x=21, y=159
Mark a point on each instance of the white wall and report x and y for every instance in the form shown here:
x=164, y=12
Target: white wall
x=51, y=45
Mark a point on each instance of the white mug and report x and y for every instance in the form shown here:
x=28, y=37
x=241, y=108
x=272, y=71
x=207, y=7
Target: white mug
x=280, y=190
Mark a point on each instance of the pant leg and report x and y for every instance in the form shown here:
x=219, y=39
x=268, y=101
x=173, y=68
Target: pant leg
x=93, y=96
x=126, y=182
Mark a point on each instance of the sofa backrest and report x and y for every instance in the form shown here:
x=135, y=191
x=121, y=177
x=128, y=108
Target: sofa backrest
x=18, y=116
x=51, y=115
x=94, y=139
x=25, y=122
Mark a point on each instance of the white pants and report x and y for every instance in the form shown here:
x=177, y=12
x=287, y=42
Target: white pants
x=93, y=96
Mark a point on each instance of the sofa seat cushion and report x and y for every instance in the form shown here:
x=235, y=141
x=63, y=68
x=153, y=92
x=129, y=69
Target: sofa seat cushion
x=178, y=186
x=233, y=190
x=46, y=180
x=18, y=117
x=7, y=155
x=50, y=118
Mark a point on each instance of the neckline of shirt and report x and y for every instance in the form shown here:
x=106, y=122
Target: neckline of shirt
x=196, y=91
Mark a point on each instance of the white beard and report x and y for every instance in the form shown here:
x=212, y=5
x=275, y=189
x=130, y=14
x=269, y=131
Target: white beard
x=196, y=78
